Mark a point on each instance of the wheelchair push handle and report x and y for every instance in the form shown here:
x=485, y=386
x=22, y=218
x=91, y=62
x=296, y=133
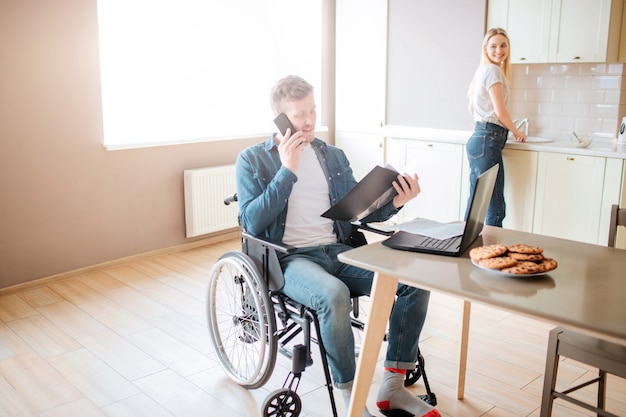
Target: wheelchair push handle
x=230, y=199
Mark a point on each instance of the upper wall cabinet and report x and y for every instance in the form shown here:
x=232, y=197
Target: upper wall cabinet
x=527, y=23
x=559, y=31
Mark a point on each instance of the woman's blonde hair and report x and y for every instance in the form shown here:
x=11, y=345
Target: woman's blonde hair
x=506, y=64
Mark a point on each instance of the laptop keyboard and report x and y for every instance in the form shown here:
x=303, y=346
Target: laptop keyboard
x=431, y=242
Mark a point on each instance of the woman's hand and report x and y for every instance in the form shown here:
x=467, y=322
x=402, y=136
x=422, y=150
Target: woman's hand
x=408, y=188
x=519, y=136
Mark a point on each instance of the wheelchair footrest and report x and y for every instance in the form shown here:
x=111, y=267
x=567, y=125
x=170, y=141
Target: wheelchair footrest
x=429, y=398
x=396, y=413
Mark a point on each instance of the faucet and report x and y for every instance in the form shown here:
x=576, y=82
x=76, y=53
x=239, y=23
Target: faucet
x=522, y=122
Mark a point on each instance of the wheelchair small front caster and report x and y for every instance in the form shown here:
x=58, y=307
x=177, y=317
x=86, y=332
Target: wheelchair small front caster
x=283, y=402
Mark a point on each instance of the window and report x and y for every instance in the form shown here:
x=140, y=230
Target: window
x=176, y=71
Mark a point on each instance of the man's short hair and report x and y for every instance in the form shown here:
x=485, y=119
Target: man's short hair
x=290, y=88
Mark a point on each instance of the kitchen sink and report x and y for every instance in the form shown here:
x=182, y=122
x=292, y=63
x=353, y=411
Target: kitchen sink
x=537, y=139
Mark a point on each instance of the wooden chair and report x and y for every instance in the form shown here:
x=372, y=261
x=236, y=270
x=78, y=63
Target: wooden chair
x=618, y=218
x=608, y=357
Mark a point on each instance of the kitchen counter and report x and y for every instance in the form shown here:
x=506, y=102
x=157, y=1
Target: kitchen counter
x=599, y=147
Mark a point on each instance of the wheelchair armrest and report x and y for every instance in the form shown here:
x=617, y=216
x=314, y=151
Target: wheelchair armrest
x=278, y=246
x=365, y=226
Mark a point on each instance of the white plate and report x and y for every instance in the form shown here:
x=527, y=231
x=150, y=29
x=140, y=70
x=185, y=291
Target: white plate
x=506, y=274
x=519, y=287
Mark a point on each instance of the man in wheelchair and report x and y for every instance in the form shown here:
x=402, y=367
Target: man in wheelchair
x=283, y=186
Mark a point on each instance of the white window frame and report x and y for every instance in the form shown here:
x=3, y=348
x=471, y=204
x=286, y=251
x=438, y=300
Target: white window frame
x=165, y=66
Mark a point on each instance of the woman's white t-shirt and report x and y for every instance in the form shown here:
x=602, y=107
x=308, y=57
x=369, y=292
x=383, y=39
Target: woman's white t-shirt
x=486, y=76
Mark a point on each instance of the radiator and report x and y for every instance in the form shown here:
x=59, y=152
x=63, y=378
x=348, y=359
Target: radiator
x=205, y=189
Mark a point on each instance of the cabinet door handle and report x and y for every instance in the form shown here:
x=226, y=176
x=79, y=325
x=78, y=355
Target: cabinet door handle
x=570, y=158
x=522, y=58
x=430, y=145
x=576, y=58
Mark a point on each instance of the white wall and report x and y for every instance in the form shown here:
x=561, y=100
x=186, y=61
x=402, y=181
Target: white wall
x=434, y=48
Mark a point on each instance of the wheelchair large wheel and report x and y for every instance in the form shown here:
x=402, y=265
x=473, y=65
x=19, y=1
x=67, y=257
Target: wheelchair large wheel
x=241, y=320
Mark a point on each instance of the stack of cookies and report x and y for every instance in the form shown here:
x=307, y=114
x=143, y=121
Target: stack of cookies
x=519, y=258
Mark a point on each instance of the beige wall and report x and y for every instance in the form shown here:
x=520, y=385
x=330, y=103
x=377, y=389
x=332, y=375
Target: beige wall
x=66, y=203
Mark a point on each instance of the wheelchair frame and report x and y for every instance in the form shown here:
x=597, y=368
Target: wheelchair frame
x=243, y=325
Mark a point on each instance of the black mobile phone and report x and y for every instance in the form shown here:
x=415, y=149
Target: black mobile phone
x=283, y=123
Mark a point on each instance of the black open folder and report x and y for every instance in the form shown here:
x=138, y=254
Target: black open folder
x=372, y=192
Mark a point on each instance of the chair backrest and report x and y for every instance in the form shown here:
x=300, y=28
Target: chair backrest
x=618, y=218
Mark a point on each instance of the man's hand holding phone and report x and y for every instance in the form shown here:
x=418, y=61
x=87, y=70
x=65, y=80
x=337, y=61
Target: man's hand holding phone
x=291, y=143
x=283, y=123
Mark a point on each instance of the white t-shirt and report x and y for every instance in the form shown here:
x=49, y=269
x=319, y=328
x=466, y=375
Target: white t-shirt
x=308, y=200
x=486, y=76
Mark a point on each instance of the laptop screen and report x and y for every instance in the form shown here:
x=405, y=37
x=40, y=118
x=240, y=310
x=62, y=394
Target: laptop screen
x=479, y=205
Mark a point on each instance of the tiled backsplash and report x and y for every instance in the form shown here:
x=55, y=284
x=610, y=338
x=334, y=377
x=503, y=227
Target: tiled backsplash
x=558, y=99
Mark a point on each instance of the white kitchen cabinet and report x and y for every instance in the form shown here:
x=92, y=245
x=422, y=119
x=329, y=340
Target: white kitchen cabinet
x=364, y=151
x=361, y=65
x=580, y=30
x=612, y=193
x=527, y=23
x=439, y=168
x=465, y=185
x=520, y=179
x=568, y=201
x=557, y=194
x=559, y=30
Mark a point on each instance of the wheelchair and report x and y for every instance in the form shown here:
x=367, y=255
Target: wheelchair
x=250, y=321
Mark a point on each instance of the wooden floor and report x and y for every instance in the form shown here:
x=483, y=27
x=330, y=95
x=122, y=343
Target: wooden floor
x=130, y=341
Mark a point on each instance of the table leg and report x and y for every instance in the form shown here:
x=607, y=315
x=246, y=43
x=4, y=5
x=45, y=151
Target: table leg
x=460, y=389
x=383, y=293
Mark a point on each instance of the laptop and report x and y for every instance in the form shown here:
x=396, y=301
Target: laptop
x=456, y=245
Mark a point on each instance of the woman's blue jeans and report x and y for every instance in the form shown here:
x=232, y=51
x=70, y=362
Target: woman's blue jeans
x=316, y=278
x=484, y=150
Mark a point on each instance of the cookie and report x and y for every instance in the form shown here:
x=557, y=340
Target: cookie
x=524, y=248
x=548, y=264
x=497, y=262
x=485, y=252
x=522, y=268
x=534, y=257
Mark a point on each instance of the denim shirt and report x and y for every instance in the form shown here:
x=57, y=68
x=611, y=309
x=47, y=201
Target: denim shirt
x=264, y=186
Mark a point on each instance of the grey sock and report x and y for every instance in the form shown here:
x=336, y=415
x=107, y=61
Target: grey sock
x=392, y=395
x=346, y=394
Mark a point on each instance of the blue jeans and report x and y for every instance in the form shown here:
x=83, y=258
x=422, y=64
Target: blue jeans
x=316, y=278
x=484, y=150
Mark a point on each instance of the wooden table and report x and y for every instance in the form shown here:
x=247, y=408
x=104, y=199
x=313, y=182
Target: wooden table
x=587, y=291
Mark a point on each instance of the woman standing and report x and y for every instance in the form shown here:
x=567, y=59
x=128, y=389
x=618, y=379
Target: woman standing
x=488, y=98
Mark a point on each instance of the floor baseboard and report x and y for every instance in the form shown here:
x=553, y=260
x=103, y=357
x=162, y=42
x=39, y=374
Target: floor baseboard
x=209, y=240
